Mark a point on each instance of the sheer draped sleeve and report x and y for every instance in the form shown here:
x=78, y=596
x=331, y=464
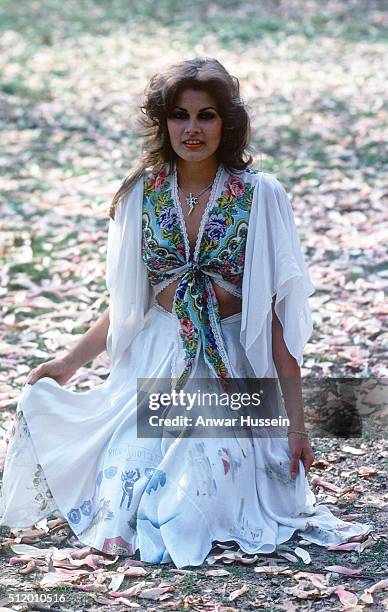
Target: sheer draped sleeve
x=126, y=278
x=274, y=266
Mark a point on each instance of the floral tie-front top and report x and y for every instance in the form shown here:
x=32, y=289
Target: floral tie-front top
x=219, y=254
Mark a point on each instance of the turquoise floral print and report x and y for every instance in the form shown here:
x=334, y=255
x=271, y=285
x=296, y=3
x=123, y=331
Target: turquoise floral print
x=162, y=241
x=221, y=255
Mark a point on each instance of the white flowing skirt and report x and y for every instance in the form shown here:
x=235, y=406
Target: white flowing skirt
x=77, y=454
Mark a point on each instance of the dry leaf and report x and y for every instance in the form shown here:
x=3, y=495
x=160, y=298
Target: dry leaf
x=131, y=592
x=352, y=450
x=116, y=581
x=371, y=500
x=305, y=589
x=81, y=553
x=346, y=546
x=367, y=544
x=156, y=592
x=270, y=569
x=358, y=538
x=366, y=471
x=366, y=597
x=238, y=592
x=30, y=567
x=340, y=569
x=31, y=551
x=288, y=556
x=382, y=584
x=302, y=554
x=135, y=571
x=318, y=482
x=317, y=580
x=217, y=572
x=21, y=560
x=106, y=601
x=350, y=517
x=347, y=598
x=89, y=586
x=9, y=582
x=55, y=579
x=232, y=556
x=133, y=563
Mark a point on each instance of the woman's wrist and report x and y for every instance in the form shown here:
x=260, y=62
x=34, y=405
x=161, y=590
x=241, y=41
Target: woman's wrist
x=297, y=424
x=297, y=432
x=70, y=361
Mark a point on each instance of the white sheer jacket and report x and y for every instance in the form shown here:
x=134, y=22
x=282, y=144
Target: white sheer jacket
x=274, y=265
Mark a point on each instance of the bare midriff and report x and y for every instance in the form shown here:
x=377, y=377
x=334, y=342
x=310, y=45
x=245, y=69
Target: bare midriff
x=228, y=304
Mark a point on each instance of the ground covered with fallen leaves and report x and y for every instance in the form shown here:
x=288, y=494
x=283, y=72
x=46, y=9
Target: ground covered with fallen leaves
x=313, y=76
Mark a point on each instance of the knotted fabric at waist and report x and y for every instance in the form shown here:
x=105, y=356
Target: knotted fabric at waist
x=196, y=308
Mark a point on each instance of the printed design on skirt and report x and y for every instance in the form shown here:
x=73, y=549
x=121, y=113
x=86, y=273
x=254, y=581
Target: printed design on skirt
x=20, y=435
x=153, y=479
x=44, y=497
x=229, y=463
x=317, y=531
x=280, y=472
x=85, y=509
x=117, y=546
x=205, y=483
x=128, y=480
x=19, y=426
x=245, y=530
x=154, y=476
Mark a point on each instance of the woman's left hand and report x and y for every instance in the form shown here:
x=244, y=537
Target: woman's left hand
x=299, y=449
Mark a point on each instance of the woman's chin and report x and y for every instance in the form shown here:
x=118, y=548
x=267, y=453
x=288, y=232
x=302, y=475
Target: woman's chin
x=198, y=155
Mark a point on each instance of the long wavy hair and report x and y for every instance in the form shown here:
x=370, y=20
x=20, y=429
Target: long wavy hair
x=160, y=95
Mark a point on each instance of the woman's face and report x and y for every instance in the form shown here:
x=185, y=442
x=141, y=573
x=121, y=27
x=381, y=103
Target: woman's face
x=195, y=117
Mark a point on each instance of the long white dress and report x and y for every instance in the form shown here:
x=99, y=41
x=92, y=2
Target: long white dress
x=78, y=454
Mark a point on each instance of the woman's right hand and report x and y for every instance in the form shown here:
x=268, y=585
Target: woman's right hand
x=59, y=369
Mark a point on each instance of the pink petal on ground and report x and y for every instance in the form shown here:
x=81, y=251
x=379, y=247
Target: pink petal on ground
x=346, y=546
x=81, y=553
x=346, y=597
x=134, y=590
x=133, y=563
x=318, y=482
x=382, y=584
x=340, y=569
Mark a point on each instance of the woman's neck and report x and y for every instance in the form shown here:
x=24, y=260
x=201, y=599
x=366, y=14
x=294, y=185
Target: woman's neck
x=194, y=176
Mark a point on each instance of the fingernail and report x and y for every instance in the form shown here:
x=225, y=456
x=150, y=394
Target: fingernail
x=293, y=475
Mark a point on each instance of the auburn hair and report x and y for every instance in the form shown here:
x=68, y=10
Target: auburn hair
x=160, y=96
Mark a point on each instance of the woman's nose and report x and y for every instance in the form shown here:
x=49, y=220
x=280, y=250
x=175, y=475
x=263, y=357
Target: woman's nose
x=192, y=125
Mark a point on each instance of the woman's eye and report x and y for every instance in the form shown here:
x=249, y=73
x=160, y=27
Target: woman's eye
x=182, y=115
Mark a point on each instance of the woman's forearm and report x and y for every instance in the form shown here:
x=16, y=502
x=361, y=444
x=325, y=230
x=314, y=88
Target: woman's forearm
x=92, y=343
x=289, y=376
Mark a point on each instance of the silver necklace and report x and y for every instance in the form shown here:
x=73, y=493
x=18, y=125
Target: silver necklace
x=191, y=199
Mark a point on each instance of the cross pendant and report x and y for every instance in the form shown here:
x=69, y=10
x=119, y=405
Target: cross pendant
x=191, y=200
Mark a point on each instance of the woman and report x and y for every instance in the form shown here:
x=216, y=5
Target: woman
x=206, y=280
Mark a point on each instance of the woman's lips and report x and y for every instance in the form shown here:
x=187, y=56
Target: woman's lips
x=193, y=146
